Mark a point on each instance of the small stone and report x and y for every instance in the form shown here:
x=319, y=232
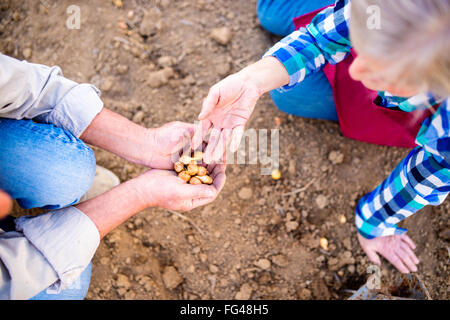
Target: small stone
x=244, y=293
x=138, y=117
x=213, y=268
x=171, y=278
x=351, y=268
x=321, y=201
x=27, y=53
x=159, y=78
x=280, y=260
x=336, y=157
x=107, y=85
x=166, y=61
x=147, y=27
x=221, y=35
x=304, y=294
x=263, y=264
x=122, y=69
x=245, y=193
x=324, y=243
x=342, y=219
x=291, y=225
x=191, y=269
x=122, y=281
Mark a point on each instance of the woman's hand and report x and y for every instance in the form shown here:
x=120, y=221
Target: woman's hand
x=163, y=188
x=230, y=103
x=397, y=249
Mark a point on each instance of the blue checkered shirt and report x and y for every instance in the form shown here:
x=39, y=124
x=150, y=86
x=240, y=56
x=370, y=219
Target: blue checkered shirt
x=423, y=177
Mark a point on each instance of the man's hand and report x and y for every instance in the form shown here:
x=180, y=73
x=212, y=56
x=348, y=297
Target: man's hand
x=5, y=204
x=167, y=141
x=397, y=249
x=163, y=188
x=230, y=103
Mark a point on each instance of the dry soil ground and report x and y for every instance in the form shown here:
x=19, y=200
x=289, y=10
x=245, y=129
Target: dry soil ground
x=252, y=242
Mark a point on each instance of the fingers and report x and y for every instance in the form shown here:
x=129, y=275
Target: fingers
x=373, y=256
x=408, y=256
x=238, y=132
x=200, y=131
x=219, y=177
x=210, y=102
x=212, y=143
x=397, y=262
x=408, y=240
x=221, y=147
x=189, y=191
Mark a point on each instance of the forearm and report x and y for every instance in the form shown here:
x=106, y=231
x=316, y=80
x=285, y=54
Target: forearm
x=41, y=93
x=115, y=133
x=110, y=209
x=267, y=74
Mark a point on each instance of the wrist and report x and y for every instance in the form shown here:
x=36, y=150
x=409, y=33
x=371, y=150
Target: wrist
x=266, y=74
x=145, y=191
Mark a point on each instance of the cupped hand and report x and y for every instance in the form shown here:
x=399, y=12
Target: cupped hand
x=163, y=188
x=225, y=111
x=397, y=249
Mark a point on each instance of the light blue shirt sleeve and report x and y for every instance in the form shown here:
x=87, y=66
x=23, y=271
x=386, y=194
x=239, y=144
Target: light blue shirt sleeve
x=34, y=91
x=51, y=249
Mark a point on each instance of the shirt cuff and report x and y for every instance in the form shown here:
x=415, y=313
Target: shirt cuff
x=67, y=238
x=371, y=224
x=77, y=109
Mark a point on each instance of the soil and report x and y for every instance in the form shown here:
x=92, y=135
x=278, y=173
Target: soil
x=252, y=242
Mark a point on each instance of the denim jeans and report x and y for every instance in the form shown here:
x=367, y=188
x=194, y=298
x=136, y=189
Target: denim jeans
x=313, y=97
x=42, y=166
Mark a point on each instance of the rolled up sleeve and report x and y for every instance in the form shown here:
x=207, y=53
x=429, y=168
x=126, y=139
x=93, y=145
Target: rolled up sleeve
x=49, y=249
x=34, y=91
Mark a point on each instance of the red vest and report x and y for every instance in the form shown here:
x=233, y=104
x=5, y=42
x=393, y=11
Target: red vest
x=359, y=117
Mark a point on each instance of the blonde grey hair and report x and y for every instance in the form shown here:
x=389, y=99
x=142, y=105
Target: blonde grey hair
x=412, y=38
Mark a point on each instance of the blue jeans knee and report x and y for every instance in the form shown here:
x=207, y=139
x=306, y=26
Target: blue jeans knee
x=42, y=166
x=312, y=98
x=276, y=15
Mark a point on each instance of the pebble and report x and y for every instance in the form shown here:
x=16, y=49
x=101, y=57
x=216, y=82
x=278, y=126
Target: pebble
x=159, y=78
x=291, y=225
x=244, y=293
x=304, y=294
x=107, y=85
x=336, y=157
x=245, y=193
x=122, y=69
x=171, y=278
x=263, y=264
x=27, y=53
x=321, y=201
x=221, y=35
x=139, y=116
x=147, y=27
x=213, y=268
x=280, y=260
x=166, y=61
x=122, y=281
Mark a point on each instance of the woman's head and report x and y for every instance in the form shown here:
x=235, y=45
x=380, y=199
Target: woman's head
x=403, y=46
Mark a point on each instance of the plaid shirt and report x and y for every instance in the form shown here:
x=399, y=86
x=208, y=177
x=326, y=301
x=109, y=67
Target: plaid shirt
x=423, y=177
